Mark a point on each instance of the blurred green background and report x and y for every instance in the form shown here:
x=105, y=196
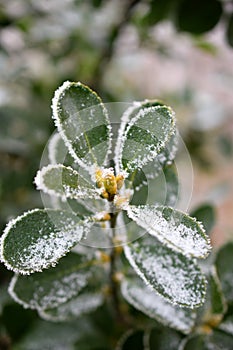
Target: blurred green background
x=179, y=51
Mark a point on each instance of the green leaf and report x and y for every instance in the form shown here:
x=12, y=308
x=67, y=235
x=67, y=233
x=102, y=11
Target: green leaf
x=215, y=341
x=224, y=263
x=172, y=275
x=206, y=214
x=150, y=303
x=84, y=303
x=131, y=340
x=51, y=336
x=218, y=303
x=158, y=11
x=229, y=32
x=58, y=152
x=65, y=182
x=83, y=123
x=164, y=339
x=145, y=136
x=54, y=286
x=173, y=228
x=197, y=16
x=39, y=238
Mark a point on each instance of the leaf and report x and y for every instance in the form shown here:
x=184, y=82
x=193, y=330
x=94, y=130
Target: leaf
x=206, y=214
x=65, y=182
x=145, y=136
x=84, y=303
x=218, y=303
x=172, y=275
x=83, y=123
x=131, y=340
x=58, y=152
x=215, y=341
x=127, y=116
x=164, y=339
x=51, y=336
x=39, y=238
x=224, y=263
x=229, y=32
x=197, y=16
x=163, y=188
x=150, y=303
x=54, y=286
x=173, y=228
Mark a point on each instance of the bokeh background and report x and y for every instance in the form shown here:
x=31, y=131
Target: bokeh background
x=179, y=51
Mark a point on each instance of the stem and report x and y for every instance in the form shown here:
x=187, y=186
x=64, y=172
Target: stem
x=113, y=283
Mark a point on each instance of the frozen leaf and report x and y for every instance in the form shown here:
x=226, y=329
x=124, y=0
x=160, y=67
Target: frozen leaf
x=224, y=263
x=172, y=275
x=173, y=228
x=84, y=303
x=54, y=286
x=145, y=136
x=150, y=303
x=65, y=182
x=206, y=214
x=127, y=116
x=39, y=238
x=83, y=123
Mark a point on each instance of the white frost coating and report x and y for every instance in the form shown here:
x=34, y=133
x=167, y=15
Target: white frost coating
x=47, y=249
x=167, y=275
x=82, y=304
x=148, y=302
x=227, y=325
x=55, y=109
x=148, y=153
x=53, y=148
x=60, y=291
x=190, y=241
x=60, y=189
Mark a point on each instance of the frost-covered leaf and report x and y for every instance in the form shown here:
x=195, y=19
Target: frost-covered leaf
x=224, y=263
x=206, y=214
x=83, y=123
x=145, y=136
x=127, y=116
x=54, y=286
x=172, y=275
x=150, y=303
x=65, y=182
x=84, y=303
x=173, y=228
x=39, y=238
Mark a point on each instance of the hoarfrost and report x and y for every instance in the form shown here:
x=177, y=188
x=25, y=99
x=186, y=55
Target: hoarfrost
x=172, y=227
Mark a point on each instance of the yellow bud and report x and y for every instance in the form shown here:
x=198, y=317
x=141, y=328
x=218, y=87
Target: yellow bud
x=110, y=183
x=120, y=181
